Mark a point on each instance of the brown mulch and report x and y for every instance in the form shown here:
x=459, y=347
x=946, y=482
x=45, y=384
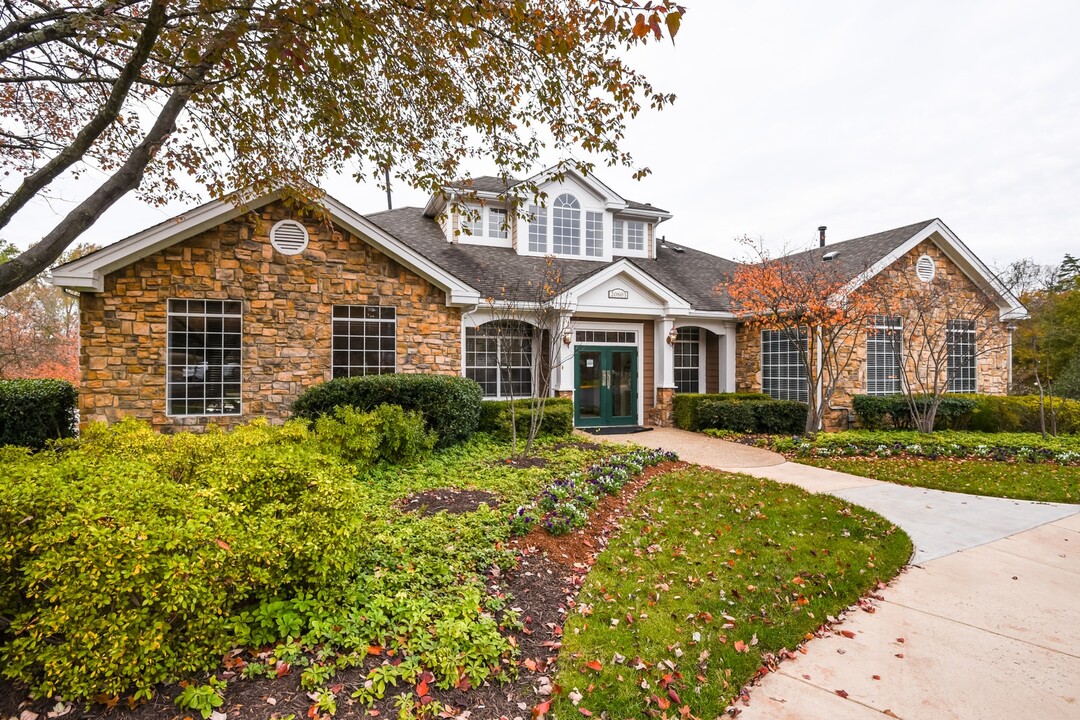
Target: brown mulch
x=542, y=587
x=450, y=500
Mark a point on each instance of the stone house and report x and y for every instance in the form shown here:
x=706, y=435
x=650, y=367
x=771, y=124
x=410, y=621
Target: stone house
x=229, y=311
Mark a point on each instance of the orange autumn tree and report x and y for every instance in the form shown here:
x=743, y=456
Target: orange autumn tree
x=805, y=299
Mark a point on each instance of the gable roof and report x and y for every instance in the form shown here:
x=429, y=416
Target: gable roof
x=87, y=274
x=857, y=255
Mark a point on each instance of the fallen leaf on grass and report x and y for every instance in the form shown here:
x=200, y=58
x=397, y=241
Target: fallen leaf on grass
x=595, y=665
x=741, y=647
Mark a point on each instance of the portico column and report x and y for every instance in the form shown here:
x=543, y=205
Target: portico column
x=664, y=358
x=727, y=354
x=564, y=361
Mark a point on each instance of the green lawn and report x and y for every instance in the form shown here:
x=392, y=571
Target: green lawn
x=1046, y=482
x=711, y=572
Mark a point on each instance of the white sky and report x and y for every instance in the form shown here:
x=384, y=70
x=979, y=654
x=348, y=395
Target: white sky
x=859, y=115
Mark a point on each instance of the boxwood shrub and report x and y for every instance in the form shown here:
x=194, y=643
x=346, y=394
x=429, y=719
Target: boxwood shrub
x=450, y=404
x=982, y=413
x=558, y=417
x=686, y=405
x=752, y=416
x=32, y=412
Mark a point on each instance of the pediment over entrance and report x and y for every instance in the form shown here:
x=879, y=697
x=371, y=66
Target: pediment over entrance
x=623, y=288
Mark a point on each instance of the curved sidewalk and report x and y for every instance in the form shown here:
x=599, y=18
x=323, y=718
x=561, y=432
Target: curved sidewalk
x=985, y=624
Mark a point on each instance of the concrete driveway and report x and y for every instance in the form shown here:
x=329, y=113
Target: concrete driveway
x=985, y=623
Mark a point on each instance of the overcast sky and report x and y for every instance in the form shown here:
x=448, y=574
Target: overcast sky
x=858, y=115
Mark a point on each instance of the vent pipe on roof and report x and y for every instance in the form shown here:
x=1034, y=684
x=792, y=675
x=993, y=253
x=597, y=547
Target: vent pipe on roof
x=821, y=234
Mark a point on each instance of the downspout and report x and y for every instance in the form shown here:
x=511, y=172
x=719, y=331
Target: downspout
x=820, y=389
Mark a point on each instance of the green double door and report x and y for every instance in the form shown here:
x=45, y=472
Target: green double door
x=605, y=386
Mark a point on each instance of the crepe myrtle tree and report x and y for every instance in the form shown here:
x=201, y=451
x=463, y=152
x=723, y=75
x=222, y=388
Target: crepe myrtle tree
x=275, y=94
x=540, y=307
x=936, y=333
x=806, y=299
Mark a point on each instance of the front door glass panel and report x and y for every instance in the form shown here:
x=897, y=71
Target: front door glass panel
x=622, y=384
x=589, y=384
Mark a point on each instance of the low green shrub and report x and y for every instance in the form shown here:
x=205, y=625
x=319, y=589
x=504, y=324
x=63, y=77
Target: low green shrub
x=752, y=416
x=386, y=434
x=1028, y=447
x=33, y=412
x=686, y=405
x=876, y=412
x=450, y=404
x=558, y=417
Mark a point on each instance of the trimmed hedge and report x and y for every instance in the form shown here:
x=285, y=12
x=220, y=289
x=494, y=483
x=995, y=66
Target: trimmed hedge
x=686, y=406
x=1027, y=447
x=32, y=412
x=558, y=417
x=450, y=404
x=982, y=413
x=752, y=416
x=876, y=412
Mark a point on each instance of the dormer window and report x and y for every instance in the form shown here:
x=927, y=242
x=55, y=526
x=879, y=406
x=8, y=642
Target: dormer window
x=566, y=225
x=630, y=232
x=472, y=220
x=497, y=227
x=537, y=229
x=594, y=234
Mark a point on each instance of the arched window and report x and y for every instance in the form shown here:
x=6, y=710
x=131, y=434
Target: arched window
x=566, y=225
x=499, y=356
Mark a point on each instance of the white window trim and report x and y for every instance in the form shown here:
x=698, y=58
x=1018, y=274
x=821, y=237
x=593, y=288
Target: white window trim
x=761, y=356
x=875, y=325
x=168, y=363
x=702, y=355
x=624, y=249
x=536, y=339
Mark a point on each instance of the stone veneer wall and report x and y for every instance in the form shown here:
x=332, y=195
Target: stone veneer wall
x=287, y=303
x=992, y=361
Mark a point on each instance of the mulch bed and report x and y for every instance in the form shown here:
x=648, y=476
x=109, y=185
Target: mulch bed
x=543, y=586
x=451, y=500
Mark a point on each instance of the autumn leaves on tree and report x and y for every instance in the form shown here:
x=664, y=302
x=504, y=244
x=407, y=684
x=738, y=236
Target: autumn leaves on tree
x=251, y=94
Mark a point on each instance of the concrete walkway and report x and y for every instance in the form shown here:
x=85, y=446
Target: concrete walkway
x=985, y=624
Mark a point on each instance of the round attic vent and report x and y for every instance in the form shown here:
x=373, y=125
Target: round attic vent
x=289, y=237
x=924, y=268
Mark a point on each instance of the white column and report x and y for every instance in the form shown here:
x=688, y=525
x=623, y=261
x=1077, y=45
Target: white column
x=564, y=368
x=664, y=354
x=727, y=365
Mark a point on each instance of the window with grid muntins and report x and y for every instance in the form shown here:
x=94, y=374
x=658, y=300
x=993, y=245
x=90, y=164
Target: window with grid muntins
x=204, y=357
x=594, y=234
x=364, y=340
x=497, y=227
x=566, y=226
x=688, y=360
x=961, y=356
x=783, y=375
x=472, y=220
x=635, y=236
x=537, y=229
x=498, y=356
x=621, y=337
x=883, y=345
x=617, y=234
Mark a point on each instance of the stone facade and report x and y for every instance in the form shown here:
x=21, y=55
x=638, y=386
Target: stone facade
x=287, y=306
x=964, y=298
x=662, y=414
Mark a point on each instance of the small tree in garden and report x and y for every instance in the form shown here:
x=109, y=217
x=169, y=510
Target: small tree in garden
x=935, y=332
x=539, y=304
x=804, y=298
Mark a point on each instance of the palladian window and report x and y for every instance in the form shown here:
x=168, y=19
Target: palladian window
x=566, y=225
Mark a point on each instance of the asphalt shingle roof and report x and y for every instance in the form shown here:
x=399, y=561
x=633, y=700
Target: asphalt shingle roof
x=495, y=184
x=500, y=272
x=857, y=255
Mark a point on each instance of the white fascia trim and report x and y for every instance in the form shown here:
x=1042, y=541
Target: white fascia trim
x=613, y=200
x=1010, y=306
x=88, y=274
x=674, y=304
x=457, y=291
x=654, y=214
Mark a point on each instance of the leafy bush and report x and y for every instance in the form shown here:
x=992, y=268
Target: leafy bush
x=32, y=412
x=124, y=572
x=558, y=417
x=387, y=434
x=450, y=404
x=876, y=412
x=686, y=405
x=1027, y=447
x=752, y=416
x=1020, y=413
